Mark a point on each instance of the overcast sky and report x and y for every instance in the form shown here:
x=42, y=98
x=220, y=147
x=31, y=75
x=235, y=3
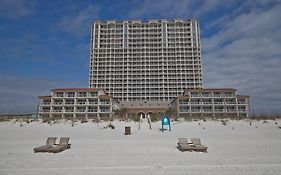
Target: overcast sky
x=45, y=45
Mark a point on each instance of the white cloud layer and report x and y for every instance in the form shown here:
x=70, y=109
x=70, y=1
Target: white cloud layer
x=79, y=22
x=245, y=54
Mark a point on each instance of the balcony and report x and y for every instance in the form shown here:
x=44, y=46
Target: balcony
x=57, y=110
x=219, y=110
x=58, y=95
x=195, y=103
x=69, y=103
x=207, y=110
x=92, y=110
x=93, y=103
x=218, y=95
x=184, y=104
x=81, y=95
x=45, y=111
x=218, y=103
x=69, y=111
x=58, y=104
x=231, y=110
x=196, y=96
x=104, y=111
x=81, y=102
x=207, y=103
x=81, y=110
x=230, y=103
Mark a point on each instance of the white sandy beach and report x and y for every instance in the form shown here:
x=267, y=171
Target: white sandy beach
x=236, y=148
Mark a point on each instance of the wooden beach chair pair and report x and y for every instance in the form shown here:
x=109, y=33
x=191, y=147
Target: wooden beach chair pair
x=195, y=145
x=52, y=147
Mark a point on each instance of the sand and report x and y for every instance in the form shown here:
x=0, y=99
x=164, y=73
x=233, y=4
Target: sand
x=237, y=148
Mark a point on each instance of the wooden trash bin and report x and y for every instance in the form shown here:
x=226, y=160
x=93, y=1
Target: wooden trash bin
x=127, y=130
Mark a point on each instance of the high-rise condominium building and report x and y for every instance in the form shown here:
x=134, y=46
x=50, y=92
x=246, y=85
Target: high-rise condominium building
x=154, y=60
x=147, y=67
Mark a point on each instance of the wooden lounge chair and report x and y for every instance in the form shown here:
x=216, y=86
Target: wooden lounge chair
x=63, y=145
x=51, y=141
x=198, y=146
x=183, y=145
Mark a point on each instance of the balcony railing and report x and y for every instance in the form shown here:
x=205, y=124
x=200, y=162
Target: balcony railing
x=69, y=103
x=230, y=103
x=93, y=103
x=231, y=110
x=80, y=110
x=81, y=103
x=207, y=110
x=207, y=103
x=184, y=104
x=69, y=110
x=57, y=110
x=195, y=103
x=104, y=111
x=45, y=111
x=195, y=110
x=58, y=103
x=92, y=110
x=218, y=103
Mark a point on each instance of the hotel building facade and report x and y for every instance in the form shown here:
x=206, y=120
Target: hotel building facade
x=77, y=103
x=146, y=67
x=145, y=61
x=223, y=102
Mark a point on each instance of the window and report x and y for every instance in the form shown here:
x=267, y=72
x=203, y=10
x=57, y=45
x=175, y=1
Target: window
x=105, y=101
x=92, y=109
x=58, y=94
x=93, y=94
x=93, y=101
x=82, y=94
x=104, y=109
x=70, y=94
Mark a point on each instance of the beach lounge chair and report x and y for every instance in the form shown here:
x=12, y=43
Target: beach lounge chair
x=183, y=145
x=51, y=141
x=198, y=146
x=63, y=145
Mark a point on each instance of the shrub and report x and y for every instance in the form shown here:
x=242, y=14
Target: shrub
x=110, y=125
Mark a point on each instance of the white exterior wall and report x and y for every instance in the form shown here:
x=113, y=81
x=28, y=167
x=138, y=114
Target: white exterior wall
x=152, y=60
x=212, y=102
x=75, y=105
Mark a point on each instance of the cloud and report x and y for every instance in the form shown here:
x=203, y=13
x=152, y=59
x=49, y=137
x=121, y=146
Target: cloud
x=14, y=9
x=78, y=22
x=245, y=54
x=177, y=8
x=19, y=94
x=163, y=8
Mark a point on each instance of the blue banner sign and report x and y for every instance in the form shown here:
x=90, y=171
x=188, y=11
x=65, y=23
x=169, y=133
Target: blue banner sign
x=166, y=121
